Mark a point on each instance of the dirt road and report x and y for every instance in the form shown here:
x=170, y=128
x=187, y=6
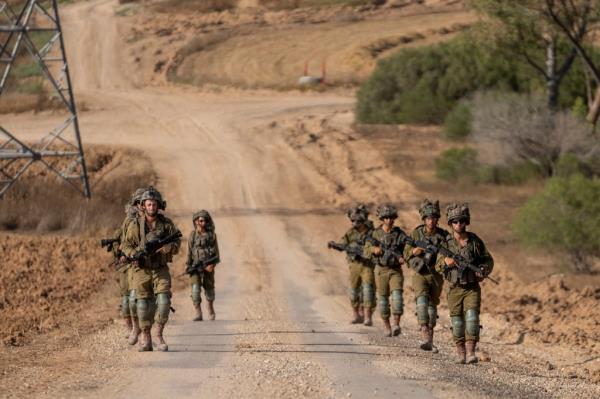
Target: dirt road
x=282, y=315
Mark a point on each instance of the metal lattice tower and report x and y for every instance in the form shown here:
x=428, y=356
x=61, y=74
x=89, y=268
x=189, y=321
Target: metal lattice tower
x=34, y=35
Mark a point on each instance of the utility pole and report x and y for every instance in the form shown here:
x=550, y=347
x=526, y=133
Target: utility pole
x=32, y=48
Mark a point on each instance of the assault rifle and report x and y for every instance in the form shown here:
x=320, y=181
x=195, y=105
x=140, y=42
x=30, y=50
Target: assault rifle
x=355, y=252
x=154, y=245
x=200, y=266
x=388, y=249
x=427, y=246
x=462, y=264
x=109, y=243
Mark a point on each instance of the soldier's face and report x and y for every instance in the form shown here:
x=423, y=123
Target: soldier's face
x=389, y=221
x=150, y=207
x=200, y=223
x=459, y=225
x=431, y=222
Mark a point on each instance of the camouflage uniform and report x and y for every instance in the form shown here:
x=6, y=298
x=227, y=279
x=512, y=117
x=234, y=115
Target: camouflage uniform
x=202, y=247
x=388, y=273
x=362, y=277
x=151, y=277
x=464, y=294
x=427, y=282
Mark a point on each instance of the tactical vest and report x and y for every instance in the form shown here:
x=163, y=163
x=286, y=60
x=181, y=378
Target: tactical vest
x=470, y=253
x=391, y=239
x=425, y=263
x=156, y=260
x=203, y=245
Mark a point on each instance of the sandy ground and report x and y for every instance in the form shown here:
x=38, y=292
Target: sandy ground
x=282, y=328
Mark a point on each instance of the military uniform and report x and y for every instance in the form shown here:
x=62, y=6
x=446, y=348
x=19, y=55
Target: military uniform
x=151, y=278
x=464, y=293
x=202, y=247
x=362, y=277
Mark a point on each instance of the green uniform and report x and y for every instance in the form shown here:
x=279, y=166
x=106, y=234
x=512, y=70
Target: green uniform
x=151, y=278
x=201, y=247
x=427, y=282
x=362, y=277
x=464, y=294
x=388, y=273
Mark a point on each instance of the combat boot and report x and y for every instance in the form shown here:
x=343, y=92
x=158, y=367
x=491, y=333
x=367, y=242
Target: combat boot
x=460, y=352
x=470, y=355
x=425, y=343
x=434, y=348
x=198, y=308
x=211, y=310
x=356, y=316
x=135, y=331
x=396, y=330
x=147, y=340
x=368, y=317
x=128, y=325
x=162, y=345
x=387, y=326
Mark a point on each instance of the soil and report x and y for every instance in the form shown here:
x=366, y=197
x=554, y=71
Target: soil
x=277, y=171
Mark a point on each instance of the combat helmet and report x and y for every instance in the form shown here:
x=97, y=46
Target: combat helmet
x=153, y=194
x=137, y=196
x=358, y=214
x=429, y=209
x=210, y=225
x=458, y=211
x=387, y=211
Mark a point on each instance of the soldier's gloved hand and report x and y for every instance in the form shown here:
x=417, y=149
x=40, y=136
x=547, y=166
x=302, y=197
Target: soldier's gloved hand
x=417, y=251
x=400, y=260
x=210, y=268
x=166, y=249
x=450, y=262
x=330, y=244
x=122, y=259
x=376, y=250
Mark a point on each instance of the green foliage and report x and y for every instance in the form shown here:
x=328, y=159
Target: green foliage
x=457, y=124
x=564, y=216
x=26, y=70
x=34, y=86
x=579, y=108
x=509, y=174
x=457, y=164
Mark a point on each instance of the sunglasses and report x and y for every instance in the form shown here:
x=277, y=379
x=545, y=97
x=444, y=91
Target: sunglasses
x=459, y=221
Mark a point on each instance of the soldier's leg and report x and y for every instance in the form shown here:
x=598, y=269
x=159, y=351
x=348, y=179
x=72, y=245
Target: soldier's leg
x=472, y=306
x=383, y=292
x=435, y=289
x=132, y=307
x=354, y=291
x=162, y=289
x=368, y=293
x=124, y=291
x=144, y=295
x=196, y=299
x=208, y=283
x=455, y=305
x=421, y=289
x=397, y=289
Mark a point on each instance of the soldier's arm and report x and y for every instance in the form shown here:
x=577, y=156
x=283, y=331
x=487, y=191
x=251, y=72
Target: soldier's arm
x=485, y=258
x=346, y=238
x=216, y=244
x=131, y=243
x=175, y=245
x=409, y=248
x=190, y=257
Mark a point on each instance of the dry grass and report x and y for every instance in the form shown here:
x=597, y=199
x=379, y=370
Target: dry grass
x=24, y=102
x=38, y=202
x=277, y=5
x=204, y=6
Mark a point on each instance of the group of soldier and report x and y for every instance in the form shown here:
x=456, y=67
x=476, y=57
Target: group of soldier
x=376, y=255
x=143, y=247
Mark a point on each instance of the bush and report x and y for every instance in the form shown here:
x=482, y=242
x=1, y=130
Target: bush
x=565, y=216
x=509, y=174
x=457, y=124
x=457, y=164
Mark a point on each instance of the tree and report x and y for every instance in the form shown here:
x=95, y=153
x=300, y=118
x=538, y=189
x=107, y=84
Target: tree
x=526, y=29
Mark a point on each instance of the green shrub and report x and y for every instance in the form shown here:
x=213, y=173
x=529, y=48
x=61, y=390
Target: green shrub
x=457, y=164
x=509, y=174
x=26, y=70
x=457, y=124
x=565, y=216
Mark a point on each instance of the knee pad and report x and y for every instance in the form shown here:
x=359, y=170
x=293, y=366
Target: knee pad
x=397, y=302
x=354, y=295
x=368, y=293
x=196, y=294
x=384, y=306
x=163, y=303
x=209, y=294
x=422, y=314
x=125, y=305
x=472, y=322
x=432, y=311
x=144, y=310
x=132, y=306
x=458, y=327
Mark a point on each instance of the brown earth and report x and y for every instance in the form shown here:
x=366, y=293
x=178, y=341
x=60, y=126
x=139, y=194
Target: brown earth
x=277, y=170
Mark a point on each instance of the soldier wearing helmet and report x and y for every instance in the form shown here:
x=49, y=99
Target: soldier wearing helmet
x=202, y=258
x=386, y=251
x=362, y=277
x=151, y=277
x=427, y=282
x=464, y=294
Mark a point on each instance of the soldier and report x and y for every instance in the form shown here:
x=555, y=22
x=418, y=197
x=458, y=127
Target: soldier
x=385, y=248
x=202, y=258
x=427, y=282
x=362, y=277
x=464, y=294
x=151, y=277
